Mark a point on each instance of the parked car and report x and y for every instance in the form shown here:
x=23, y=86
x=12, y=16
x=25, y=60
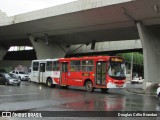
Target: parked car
x=8, y=79
x=134, y=81
x=137, y=80
x=13, y=75
x=20, y=75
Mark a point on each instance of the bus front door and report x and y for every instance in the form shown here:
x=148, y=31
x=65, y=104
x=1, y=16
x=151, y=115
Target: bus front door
x=101, y=70
x=64, y=73
x=42, y=73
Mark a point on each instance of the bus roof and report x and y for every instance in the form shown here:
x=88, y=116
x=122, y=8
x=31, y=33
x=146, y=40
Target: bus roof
x=89, y=58
x=44, y=60
x=106, y=58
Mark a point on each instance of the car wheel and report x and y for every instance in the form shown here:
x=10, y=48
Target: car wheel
x=18, y=84
x=89, y=86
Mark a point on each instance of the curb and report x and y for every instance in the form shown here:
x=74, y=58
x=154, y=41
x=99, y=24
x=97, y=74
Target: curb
x=140, y=93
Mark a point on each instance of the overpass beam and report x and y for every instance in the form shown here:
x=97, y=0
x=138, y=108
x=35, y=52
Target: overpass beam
x=151, y=54
x=44, y=51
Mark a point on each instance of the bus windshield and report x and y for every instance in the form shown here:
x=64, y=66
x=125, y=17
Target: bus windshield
x=116, y=69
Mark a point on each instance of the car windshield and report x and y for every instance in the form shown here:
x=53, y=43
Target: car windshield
x=7, y=76
x=12, y=76
x=116, y=69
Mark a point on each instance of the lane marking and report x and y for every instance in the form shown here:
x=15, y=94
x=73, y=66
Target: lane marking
x=18, y=94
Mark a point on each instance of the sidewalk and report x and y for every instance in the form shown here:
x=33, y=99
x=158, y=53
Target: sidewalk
x=140, y=91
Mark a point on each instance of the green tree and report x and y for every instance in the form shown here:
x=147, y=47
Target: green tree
x=137, y=57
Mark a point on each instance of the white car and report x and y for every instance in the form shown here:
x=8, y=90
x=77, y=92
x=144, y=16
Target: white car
x=20, y=75
x=137, y=80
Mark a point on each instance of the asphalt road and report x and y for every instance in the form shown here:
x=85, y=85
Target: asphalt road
x=36, y=97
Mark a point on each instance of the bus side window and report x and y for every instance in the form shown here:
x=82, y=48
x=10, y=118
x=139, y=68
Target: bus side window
x=42, y=67
x=55, y=65
x=49, y=66
x=75, y=65
x=35, y=66
x=87, y=65
x=79, y=68
x=72, y=68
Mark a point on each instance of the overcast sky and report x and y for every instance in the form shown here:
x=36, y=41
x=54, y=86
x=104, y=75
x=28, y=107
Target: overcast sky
x=14, y=7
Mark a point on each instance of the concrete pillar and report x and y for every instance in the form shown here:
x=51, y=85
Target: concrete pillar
x=50, y=51
x=151, y=54
x=2, y=53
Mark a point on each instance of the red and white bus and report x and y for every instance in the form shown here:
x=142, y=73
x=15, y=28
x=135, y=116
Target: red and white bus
x=92, y=72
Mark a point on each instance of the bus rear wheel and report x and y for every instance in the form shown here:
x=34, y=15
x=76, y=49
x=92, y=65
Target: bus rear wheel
x=49, y=83
x=89, y=86
x=104, y=90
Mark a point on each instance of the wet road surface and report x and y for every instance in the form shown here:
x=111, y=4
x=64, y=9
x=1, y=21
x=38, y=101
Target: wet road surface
x=36, y=97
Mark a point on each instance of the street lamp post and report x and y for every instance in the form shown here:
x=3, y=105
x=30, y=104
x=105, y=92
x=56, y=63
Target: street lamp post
x=131, y=71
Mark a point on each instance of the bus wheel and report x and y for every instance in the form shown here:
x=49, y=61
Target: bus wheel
x=89, y=86
x=49, y=83
x=104, y=90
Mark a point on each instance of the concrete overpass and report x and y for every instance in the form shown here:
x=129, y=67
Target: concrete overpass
x=86, y=20
x=109, y=47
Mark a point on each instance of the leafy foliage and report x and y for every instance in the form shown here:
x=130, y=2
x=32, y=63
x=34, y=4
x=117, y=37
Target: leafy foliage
x=137, y=57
